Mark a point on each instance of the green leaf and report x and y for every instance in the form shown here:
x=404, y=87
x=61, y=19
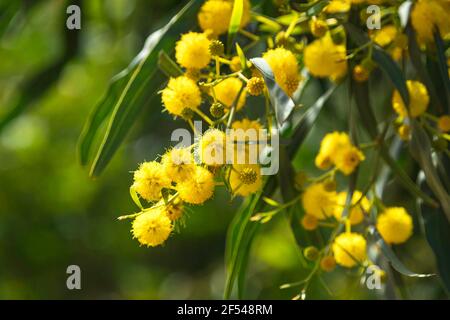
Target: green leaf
x=135, y=198
x=367, y=116
x=281, y=102
x=241, y=56
x=130, y=91
x=235, y=21
x=437, y=231
x=416, y=59
x=168, y=66
x=384, y=61
x=443, y=68
x=420, y=148
x=392, y=257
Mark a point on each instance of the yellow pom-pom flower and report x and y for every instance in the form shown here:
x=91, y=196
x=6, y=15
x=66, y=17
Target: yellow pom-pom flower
x=395, y=225
x=227, y=91
x=245, y=179
x=349, y=249
x=359, y=206
x=319, y=202
x=385, y=35
x=418, y=96
x=197, y=189
x=152, y=228
x=212, y=147
x=426, y=15
x=285, y=68
x=348, y=158
x=178, y=163
x=181, y=93
x=215, y=15
x=331, y=143
x=149, y=180
x=192, y=50
x=325, y=59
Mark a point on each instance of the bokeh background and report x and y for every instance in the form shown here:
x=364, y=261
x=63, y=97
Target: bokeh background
x=52, y=215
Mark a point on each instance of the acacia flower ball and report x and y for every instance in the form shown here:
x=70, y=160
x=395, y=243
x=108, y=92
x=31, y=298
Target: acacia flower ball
x=245, y=179
x=181, y=93
x=285, y=68
x=318, y=202
x=227, y=91
x=212, y=147
x=349, y=249
x=178, y=163
x=418, y=96
x=395, y=225
x=197, y=189
x=152, y=227
x=360, y=205
x=215, y=16
x=149, y=180
x=426, y=15
x=192, y=50
x=325, y=59
x=331, y=143
x=348, y=158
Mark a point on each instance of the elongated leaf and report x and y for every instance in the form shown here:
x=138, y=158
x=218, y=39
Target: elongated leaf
x=367, y=116
x=443, y=68
x=235, y=21
x=437, y=231
x=131, y=90
x=392, y=257
x=384, y=61
x=420, y=148
x=168, y=66
x=281, y=102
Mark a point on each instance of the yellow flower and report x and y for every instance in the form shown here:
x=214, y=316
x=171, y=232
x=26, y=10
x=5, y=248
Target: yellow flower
x=149, y=180
x=245, y=179
x=285, y=68
x=197, y=189
x=331, y=143
x=255, y=86
x=215, y=15
x=178, y=164
x=247, y=140
x=428, y=14
x=395, y=225
x=152, y=227
x=444, y=123
x=181, y=93
x=192, y=50
x=418, y=96
x=385, y=35
x=324, y=59
x=348, y=158
x=235, y=64
x=318, y=202
x=357, y=211
x=349, y=249
x=227, y=91
x=212, y=147
x=336, y=6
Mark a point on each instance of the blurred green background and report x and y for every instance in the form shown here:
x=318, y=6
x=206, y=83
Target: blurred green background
x=52, y=215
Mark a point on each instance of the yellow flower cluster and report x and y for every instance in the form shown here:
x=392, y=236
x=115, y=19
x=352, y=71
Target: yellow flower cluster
x=427, y=15
x=325, y=59
x=336, y=149
x=285, y=68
